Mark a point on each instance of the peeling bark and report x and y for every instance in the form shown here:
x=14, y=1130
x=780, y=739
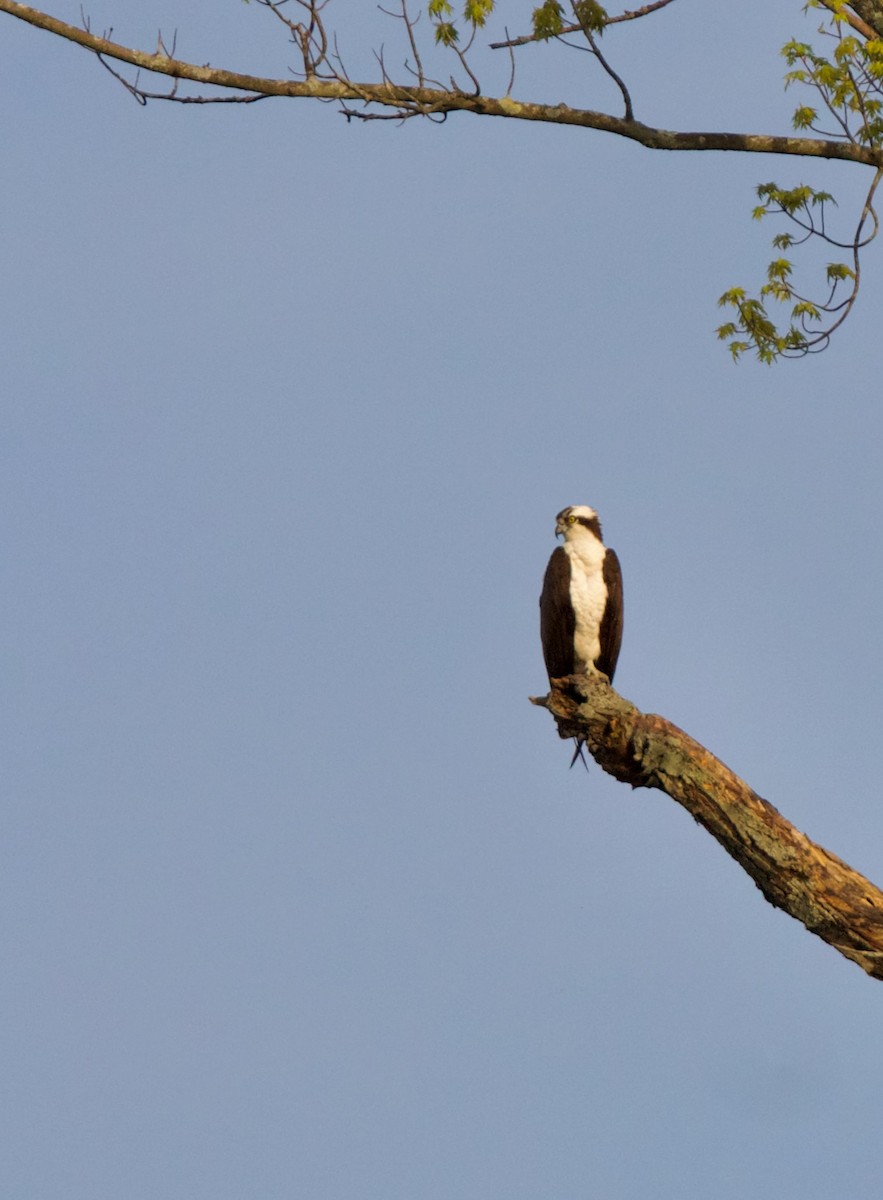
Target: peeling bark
x=805, y=880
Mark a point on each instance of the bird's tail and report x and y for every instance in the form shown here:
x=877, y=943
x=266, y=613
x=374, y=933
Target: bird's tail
x=578, y=753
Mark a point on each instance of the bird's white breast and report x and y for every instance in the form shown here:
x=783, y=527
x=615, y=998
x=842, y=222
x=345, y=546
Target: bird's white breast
x=588, y=594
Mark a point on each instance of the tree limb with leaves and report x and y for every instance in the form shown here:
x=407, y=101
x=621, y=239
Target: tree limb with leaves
x=843, y=122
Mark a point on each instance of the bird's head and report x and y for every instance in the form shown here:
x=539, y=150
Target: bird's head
x=576, y=520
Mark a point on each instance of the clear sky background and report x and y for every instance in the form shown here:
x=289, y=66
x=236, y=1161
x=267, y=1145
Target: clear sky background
x=299, y=896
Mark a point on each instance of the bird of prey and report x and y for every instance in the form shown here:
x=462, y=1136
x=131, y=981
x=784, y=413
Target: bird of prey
x=581, y=601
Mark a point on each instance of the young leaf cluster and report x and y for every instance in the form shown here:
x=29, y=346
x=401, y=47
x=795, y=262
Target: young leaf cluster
x=548, y=19
x=848, y=86
x=848, y=106
x=441, y=13
x=590, y=15
x=806, y=330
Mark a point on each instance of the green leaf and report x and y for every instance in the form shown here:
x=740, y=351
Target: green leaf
x=446, y=34
x=806, y=308
x=548, y=19
x=779, y=268
x=794, y=51
x=804, y=117
x=478, y=11
x=848, y=50
x=590, y=15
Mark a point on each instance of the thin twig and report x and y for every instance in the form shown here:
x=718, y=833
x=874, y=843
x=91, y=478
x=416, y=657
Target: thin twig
x=629, y=15
x=596, y=50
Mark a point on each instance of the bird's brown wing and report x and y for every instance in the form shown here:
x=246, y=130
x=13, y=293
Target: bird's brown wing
x=557, y=621
x=611, y=622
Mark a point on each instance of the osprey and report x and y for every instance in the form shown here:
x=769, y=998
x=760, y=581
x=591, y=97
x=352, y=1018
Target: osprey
x=581, y=601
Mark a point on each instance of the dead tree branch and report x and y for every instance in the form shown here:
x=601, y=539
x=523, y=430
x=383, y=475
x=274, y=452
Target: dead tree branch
x=806, y=881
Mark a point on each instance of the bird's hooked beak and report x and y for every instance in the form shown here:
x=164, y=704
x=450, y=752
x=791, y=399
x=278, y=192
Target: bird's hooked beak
x=559, y=528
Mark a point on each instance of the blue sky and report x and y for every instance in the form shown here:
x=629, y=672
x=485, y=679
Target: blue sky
x=300, y=897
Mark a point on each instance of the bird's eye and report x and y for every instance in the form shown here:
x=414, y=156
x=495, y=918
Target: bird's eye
x=571, y=520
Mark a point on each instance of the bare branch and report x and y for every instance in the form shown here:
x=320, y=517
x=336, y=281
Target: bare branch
x=511, y=83
x=405, y=16
x=434, y=101
x=794, y=874
x=134, y=88
x=596, y=50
